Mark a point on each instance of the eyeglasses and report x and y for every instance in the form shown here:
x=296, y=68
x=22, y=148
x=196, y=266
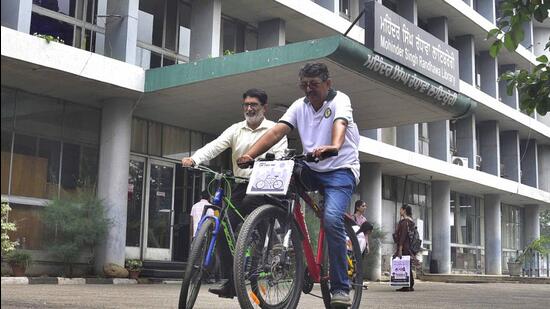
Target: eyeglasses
x=312, y=84
x=252, y=105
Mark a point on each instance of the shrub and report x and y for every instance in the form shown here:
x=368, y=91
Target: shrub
x=7, y=244
x=19, y=258
x=75, y=224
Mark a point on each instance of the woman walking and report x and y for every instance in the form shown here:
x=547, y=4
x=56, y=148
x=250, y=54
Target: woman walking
x=402, y=240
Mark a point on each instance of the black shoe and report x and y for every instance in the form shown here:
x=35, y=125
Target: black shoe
x=224, y=289
x=411, y=289
x=403, y=289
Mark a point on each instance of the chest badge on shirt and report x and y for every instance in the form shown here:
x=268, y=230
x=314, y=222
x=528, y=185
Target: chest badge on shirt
x=328, y=112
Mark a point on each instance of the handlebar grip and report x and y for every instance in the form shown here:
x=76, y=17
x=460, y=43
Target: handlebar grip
x=329, y=154
x=324, y=155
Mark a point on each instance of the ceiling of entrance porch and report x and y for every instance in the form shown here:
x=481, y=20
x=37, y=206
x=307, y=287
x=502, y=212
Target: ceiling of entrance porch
x=212, y=105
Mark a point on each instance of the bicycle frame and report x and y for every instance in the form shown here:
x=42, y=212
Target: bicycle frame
x=221, y=220
x=313, y=262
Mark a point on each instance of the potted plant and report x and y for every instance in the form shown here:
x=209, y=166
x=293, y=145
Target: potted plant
x=134, y=267
x=19, y=261
x=539, y=245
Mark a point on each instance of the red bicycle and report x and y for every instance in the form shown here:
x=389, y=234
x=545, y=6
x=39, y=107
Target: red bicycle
x=270, y=271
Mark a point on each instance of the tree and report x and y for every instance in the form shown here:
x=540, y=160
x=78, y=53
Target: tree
x=533, y=87
x=545, y=222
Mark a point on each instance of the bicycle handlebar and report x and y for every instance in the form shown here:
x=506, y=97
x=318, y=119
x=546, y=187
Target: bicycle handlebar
x=308, y=157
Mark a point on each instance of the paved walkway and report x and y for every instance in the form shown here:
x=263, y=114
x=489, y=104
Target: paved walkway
x=380, y=295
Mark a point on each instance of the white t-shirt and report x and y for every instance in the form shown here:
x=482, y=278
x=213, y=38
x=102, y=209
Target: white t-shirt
x=315, y=129
x=196, y=213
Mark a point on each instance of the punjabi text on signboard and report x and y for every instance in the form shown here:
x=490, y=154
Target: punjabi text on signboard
x=395, y=37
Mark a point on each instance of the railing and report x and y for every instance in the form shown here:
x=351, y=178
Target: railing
x=536, y=265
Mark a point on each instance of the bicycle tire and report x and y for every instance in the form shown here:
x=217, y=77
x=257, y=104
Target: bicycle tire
x=248, y=236
x=277, y=184
x=357, y=277
x=193, y=271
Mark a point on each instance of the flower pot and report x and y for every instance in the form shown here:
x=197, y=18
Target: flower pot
x=133, y=274
x=18, y=270
x=514, y=268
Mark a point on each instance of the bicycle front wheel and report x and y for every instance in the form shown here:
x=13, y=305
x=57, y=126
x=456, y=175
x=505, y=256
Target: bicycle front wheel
x=269, y=270
x=354, y=269
x=194, y=270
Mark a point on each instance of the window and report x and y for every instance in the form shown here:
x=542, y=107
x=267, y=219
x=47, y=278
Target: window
x=510, y=225
x=345, y=9
x=55, y=146
x=237, y=36
x=164, y=33
x=72, y=21
x=465, y=227
x=157, y=139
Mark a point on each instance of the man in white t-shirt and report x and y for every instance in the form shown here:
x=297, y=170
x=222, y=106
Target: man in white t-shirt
x=198, y=209
x=325, y=124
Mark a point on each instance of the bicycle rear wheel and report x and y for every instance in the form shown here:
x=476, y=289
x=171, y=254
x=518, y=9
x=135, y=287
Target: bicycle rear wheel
x=194, y=270
x=354, y=269
x=268, y=274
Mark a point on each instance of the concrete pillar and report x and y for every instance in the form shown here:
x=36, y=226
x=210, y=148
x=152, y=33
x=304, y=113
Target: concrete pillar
x=121, y=27
x=487, y=9
x=370, y=189
x=271, y=33
x=466, y=139
x=544, y=167
x=488, y=69
x=529, y=163
x=466, y=58
x=531, y=223
x=441, y=225
x=114, y=157
x=407, y=137
x=493, y=241
x=375, y=134
x=489, y=140
x=513, y=100
x=16, y=14
x=408, y=9
x=438, y=133
x=206, y=17
x=509, y=155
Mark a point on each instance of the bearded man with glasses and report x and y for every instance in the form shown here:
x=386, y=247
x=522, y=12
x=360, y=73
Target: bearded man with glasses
x=239, y=137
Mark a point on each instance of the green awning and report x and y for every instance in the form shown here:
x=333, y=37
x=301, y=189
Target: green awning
x=344, y=52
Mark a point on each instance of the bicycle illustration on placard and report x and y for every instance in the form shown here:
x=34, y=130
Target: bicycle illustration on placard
x=269, y=182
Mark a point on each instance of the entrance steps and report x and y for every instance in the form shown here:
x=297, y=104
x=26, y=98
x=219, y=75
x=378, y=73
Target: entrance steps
x=163, y=270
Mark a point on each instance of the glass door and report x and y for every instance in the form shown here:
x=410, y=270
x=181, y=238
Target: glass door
x=136, y=178
x=159, y=209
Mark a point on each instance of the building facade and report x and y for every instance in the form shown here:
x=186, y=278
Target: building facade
x=133, y=86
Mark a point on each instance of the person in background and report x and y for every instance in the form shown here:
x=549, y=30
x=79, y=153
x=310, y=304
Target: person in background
x=362, y=230
x=401, y=238
x=198, y=209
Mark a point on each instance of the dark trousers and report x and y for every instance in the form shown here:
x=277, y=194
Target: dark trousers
x=245, y=205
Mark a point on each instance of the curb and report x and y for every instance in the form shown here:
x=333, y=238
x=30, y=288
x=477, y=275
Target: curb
x=66, y=281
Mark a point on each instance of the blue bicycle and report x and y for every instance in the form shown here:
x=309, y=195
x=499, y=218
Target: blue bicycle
x=201, y=254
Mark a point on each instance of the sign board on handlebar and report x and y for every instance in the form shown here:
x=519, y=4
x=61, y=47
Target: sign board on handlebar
x=270, y=177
